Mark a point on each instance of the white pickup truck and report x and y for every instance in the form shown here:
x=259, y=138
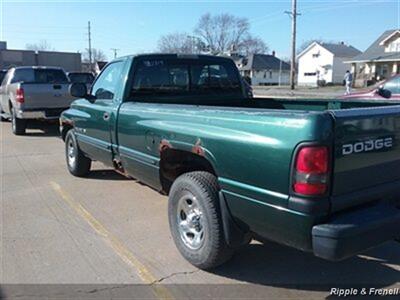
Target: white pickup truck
x=28, y=93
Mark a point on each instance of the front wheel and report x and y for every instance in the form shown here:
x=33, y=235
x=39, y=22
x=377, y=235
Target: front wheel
x=195, y=220
x=78, y=164
x=18, y=125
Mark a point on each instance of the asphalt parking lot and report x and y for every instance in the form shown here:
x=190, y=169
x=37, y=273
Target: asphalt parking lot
x=109, y=230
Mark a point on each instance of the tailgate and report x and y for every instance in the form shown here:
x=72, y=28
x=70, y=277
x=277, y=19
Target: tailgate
x=44, y=95
x=366, y=149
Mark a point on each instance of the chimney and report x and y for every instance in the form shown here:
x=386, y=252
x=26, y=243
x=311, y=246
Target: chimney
x=273, y=52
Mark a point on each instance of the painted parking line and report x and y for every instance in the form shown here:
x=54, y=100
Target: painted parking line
x=118, y=247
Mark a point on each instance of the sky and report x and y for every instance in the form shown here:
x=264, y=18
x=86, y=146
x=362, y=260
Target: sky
x=135, y=26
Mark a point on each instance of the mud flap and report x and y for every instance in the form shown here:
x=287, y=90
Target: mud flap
x=234, y=235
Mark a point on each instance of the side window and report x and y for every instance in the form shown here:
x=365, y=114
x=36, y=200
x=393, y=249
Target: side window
x=160, y=77
x=106, y=85
x=393, y=85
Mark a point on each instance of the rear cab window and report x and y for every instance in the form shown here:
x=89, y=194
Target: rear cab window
x=215, y=78
x=164, y=80
x=160, y=77
x=49, y=76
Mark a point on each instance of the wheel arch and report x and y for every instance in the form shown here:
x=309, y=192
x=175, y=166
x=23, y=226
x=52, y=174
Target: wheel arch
x=65, y=128
x=175, y=162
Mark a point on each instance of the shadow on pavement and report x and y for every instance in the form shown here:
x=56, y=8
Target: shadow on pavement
x=279, y=266
x=37, y=128
x=106, y=175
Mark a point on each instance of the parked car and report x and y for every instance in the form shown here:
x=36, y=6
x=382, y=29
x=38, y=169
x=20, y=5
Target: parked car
x=28, y=93
x=82, y=77
x=292, y=171
x=388, y=89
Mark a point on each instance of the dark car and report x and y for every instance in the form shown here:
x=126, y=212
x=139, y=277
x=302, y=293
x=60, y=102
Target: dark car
x=81, y=77
x=388, y=89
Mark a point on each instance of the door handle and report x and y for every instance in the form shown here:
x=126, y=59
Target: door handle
x=106, y=116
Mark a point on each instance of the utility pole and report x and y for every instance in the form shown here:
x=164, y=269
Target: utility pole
x=193, y=40
x=115, y=50
x=90, y=47
x=293, y=15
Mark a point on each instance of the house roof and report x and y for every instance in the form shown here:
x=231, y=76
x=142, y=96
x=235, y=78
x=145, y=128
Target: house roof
x=339, y=50
x=264, y=62
x=382, y=43
x=376, y=52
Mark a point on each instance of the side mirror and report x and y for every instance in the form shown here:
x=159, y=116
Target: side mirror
x=79, y=90
x=383, y=92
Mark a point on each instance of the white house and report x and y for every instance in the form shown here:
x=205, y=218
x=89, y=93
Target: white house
x=381, y=60
x=324, y=63
x=264, y=69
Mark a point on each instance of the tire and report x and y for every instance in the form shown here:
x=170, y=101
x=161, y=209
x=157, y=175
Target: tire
x=78, y=164
x=18, y=125
x=195, y=220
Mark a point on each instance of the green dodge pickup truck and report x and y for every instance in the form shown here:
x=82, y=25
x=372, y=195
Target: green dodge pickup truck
x=318, y=175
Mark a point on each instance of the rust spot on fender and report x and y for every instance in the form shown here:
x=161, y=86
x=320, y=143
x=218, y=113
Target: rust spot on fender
x=164, y=145
x=197, y=149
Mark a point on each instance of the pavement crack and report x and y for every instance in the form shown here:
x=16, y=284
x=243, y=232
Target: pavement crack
x=173, y=275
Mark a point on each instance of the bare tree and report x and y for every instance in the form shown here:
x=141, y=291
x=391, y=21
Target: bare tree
x=253, y=45
x=224, y=32
x=97, y=55
x=42, y=45
x=178, y=42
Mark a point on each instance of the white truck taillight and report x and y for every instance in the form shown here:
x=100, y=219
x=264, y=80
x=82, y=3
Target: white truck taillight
x=311, y=171
x=20, y=96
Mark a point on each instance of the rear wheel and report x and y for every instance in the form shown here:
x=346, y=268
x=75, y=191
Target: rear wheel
x=18, y=125
x=195, y=220
x=78, y=164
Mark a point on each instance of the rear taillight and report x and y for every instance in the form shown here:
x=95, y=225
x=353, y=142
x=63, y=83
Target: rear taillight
x=311, y=171
x=20, y=97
